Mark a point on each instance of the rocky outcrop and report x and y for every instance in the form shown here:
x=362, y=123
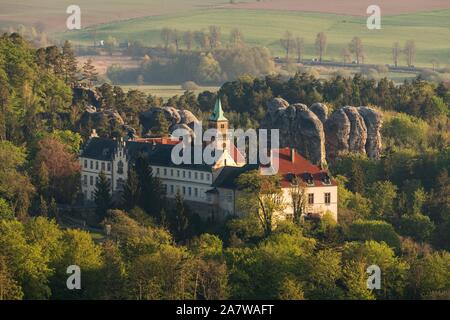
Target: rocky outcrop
x=337, y=133
x=80, y=93
x=319, y=136
x=320, y=110
x=358, y=130
x=104, y=119
x=299, y=128
x=351, y=129
x=176, y=118
x=373, y=120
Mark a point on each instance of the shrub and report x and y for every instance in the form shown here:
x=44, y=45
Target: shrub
x=190, y=86
x=363, y=230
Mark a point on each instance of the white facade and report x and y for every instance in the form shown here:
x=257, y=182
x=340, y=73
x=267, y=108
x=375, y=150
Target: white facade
x=115, y=170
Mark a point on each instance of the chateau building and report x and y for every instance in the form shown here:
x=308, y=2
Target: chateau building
x=210, y=189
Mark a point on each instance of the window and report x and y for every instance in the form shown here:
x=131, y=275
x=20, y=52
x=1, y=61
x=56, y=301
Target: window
x=165, y=188
x=195, y=192
x=171, y=172
x=178, y=173
x=109, y=167
x=96, y=165
x=222, y=126
x=165, y=171
x=189, y=191
x=85, y=180
x=92, y=164
x=120, y=184
x=327, y=198
x=189, y=175
x=184, y=174
x=184, y=191
x=171, y=188
x=202, y=176
x=195, y=175
x=157, y=171
x=96, y=180
x=120, y=167
x=103, y=166
x=85, y=164
x=91, y=180
x=310, y=198
x=208, y=176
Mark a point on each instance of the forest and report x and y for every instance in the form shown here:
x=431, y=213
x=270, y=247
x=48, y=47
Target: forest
x=393, y=212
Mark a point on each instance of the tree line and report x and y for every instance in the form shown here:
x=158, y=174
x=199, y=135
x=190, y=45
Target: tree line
x=353, y=53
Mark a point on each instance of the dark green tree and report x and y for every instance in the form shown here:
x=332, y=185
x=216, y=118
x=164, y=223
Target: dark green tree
x=102, y=195
x=132, y=190
x=181, y=218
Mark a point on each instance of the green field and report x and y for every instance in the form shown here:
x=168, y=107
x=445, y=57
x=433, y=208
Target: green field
x=165, y=91
x=430, y=30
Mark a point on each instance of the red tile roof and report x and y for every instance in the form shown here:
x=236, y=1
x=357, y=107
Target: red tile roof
x=157, y=140
x=298, y=167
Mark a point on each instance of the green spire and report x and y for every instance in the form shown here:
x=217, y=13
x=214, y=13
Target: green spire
x=217, y=114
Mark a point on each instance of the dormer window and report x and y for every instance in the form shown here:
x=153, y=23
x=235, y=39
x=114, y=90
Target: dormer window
x=120, y=167
x=326, y=179
x=290, y=177
x=309, y=179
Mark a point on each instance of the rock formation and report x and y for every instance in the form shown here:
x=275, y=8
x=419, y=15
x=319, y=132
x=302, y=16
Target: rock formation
x=299, y=128
x=373, y=121
x=351, y=129
x=92, y=96
x=337, y=133
x=319, y=136
x=358, y=130
x=176, y=118
x=320, y=110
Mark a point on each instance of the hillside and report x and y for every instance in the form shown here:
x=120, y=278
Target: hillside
x=430, y=30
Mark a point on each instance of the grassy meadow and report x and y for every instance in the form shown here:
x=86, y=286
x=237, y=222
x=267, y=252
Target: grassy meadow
x=430, y=30
x=165, y=91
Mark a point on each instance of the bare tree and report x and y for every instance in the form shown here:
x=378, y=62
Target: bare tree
x=166, y=35
x=356, y=47
x=410, y=52
x=435, y=63
x=298, y=198
x=202, y=40
x=321, y=44
x=214, y=36
x=176, y=38
x=188, y=38
x=236, y=37
x=287, y=43
x=299, y=47
x=396, y=50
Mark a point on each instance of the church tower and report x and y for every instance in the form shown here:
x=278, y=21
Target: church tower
x=220, y=123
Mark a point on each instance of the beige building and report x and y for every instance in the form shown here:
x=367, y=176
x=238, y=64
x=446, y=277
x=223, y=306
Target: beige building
x=209, y=189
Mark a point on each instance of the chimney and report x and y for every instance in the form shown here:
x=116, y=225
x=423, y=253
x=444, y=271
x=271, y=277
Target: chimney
x=292, y=155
